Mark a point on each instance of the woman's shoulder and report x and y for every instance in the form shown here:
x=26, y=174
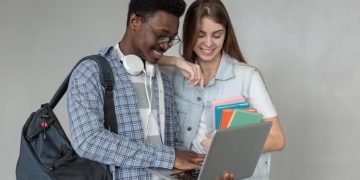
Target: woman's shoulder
x=237, y=64
x=243, y=67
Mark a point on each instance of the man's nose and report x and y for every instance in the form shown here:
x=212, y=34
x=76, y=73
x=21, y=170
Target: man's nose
x=165, y=45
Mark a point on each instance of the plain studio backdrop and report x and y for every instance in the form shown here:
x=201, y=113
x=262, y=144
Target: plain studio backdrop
x=307, y=51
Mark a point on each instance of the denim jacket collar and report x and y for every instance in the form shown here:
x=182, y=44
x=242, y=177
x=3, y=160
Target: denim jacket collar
x=226, y=68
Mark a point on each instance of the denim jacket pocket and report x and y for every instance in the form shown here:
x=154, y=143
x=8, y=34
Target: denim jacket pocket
x=183, y=109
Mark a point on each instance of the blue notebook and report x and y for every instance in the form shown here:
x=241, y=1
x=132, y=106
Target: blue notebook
x=218, y=110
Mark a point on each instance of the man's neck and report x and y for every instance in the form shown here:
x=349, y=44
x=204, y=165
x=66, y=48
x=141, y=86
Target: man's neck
x=126, y=48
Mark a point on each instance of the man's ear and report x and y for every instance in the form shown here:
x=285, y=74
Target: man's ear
x=134, y=22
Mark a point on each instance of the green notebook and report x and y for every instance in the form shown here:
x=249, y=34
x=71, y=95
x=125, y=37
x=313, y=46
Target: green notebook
x=242, y=117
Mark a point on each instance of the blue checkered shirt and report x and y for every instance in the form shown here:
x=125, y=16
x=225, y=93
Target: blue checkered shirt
x=127, y=150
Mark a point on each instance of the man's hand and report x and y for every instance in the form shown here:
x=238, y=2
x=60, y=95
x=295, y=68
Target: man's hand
x=188, y=160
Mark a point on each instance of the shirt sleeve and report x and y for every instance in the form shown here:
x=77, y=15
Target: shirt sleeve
x=170, y=101
x=177, y=131
x=260, y=98
x=89, y=137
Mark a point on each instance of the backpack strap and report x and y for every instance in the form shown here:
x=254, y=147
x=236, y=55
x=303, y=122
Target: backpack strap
x=106, y=79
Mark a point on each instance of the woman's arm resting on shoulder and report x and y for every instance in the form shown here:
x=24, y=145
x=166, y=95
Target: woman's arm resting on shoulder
x=168, y=61
x=190, y=71
x=276, y=139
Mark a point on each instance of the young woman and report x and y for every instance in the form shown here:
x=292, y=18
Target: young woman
x=210, y=42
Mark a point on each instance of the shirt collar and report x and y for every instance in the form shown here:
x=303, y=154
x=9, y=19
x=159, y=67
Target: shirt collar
x=119, y=53
x=226, y=68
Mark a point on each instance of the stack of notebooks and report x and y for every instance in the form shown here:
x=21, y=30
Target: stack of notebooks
x=232, y=112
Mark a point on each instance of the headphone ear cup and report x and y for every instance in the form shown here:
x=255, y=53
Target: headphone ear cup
x=133, y=64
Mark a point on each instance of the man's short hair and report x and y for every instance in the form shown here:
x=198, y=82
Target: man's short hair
x=149, y=7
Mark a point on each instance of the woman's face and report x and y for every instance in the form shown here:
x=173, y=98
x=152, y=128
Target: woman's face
x=210, y=40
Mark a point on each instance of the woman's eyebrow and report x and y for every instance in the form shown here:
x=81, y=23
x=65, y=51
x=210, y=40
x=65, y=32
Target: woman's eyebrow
x=221, y=30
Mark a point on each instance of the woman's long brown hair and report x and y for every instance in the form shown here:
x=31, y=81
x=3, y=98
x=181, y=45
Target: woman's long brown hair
x=215, y=10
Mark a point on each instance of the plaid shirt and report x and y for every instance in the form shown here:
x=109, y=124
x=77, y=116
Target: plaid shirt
x=127, y=150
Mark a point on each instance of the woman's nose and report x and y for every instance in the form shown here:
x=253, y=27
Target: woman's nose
x=208, y=41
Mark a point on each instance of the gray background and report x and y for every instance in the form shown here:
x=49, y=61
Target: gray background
x=308, y=52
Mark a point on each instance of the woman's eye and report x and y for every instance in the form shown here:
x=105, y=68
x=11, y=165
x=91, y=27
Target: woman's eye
x=217, y=36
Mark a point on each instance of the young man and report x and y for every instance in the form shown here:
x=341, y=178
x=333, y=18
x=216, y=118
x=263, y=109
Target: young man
x=148, y=133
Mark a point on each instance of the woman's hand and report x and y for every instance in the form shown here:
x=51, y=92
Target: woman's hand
x=190, y=71
x=228, y=176
x=206, y=142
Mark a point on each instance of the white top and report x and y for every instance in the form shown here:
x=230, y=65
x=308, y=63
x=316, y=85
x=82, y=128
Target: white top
x=152, y=133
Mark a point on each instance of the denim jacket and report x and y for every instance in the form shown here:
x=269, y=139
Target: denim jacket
x=232, y=79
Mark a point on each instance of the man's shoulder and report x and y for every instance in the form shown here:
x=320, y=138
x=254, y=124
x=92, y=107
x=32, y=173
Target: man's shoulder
x=86, y=68
x=166, y=81
x=90, y=67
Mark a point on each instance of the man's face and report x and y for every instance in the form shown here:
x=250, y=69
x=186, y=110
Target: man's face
x=149, y=37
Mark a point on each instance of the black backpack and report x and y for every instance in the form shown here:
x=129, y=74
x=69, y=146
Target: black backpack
x=46, y=152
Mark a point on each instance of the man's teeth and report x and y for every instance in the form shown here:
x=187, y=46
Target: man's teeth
x=157, y=52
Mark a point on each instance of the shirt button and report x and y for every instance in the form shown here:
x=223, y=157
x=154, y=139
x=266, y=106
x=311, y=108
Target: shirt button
x=189, y=128
x=198, y=98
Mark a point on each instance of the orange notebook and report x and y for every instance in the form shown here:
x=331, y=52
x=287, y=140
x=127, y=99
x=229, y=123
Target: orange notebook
x=227, y=114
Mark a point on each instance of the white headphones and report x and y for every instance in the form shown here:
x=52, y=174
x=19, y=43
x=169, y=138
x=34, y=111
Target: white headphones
x=134, y=65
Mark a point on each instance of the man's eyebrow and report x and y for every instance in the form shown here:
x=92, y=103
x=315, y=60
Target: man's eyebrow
x=167, y=32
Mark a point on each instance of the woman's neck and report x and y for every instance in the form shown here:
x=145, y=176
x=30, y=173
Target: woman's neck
x=209, y=68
